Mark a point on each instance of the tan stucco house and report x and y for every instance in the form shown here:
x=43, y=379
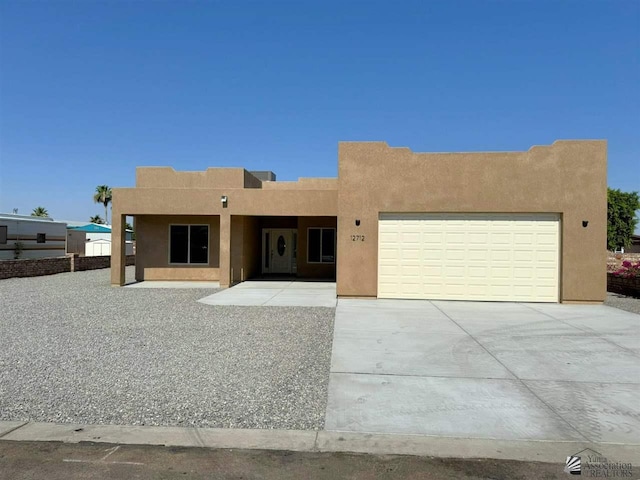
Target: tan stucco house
x=496, y=226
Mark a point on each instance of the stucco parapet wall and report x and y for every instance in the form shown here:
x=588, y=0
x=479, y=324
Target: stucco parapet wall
x=303, y=184
x=548, y=178
x=214, y=177
x=383, y=144
x=241, y=201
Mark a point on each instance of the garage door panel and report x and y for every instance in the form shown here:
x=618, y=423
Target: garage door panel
x=455, y=255
x=510, y=257
x=546, y=239
x=474, y=255
x=522, y=256
x=505, y=238
x=527, y=273
x=546, y=274
x=547, y=256
x=477, y=272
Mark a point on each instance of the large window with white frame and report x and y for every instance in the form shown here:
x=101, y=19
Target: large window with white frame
x=321, y=245
x=189, y=244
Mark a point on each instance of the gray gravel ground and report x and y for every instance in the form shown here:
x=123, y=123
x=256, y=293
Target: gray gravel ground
x=629, y=304
x=74, y=349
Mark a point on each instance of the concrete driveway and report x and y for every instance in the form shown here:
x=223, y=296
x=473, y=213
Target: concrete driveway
x=486, y=370
x=276, y=294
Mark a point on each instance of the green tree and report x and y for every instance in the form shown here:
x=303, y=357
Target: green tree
x=96, y=219
x=39, y=212
x=621, y=217
x=103, y=196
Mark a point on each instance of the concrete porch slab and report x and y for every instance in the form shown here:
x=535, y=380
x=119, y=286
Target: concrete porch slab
x=241, y=297
x=173, y=284
x=276, y=294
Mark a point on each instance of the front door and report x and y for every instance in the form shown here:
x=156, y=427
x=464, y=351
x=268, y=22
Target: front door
x=278, y=250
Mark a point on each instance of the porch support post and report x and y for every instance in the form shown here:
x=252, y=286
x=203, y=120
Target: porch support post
x=225, y=250
x=118, y=250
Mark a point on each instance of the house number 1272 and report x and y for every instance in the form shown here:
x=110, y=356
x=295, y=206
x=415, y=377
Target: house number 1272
x=357, y=238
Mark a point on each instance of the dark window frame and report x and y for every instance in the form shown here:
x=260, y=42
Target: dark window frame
x=4, y=237
x=189, y=226
x=335, y=241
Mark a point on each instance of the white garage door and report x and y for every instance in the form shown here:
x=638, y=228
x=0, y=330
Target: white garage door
x=495, y=257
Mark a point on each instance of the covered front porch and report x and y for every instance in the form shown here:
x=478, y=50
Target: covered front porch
x=228, y=248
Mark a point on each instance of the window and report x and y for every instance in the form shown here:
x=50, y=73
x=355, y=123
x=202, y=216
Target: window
x=189, y=244
x=3, y=234
x=321, y=245
x=41, y=238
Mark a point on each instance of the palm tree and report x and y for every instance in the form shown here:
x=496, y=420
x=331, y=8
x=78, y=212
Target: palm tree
x=96, y=219
x=103, y=196
x=39, y=212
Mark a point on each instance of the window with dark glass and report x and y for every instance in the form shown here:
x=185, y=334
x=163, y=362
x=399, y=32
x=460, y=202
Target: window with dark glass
x=328, y=247
x=313, y=241
x=3, y=234
x=189, y=244
x=321, y=245
x=199, y=244
x=41, y=238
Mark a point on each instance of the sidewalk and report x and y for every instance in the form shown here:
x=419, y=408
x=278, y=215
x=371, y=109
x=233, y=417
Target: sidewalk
x=315, y=441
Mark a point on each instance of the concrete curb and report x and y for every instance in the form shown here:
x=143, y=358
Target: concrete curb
x=315, y=441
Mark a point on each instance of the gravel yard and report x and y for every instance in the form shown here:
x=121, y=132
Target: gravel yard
x=622, y=302
x=74, y=349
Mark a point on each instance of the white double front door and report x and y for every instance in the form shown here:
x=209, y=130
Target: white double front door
x=279, y=250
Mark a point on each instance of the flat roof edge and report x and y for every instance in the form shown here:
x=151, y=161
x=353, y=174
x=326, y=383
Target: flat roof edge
x=555, y=142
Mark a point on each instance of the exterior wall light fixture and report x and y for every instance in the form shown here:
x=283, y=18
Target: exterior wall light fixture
x=224, y=199
x=357, y=222
x=585, y=223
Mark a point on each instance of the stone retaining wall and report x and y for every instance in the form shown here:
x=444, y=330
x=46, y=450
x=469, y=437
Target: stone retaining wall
x=35, y=267
x=624, y=286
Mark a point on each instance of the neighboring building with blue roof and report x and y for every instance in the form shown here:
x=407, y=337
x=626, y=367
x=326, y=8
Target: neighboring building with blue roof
x=93, y=239
x=92, y=228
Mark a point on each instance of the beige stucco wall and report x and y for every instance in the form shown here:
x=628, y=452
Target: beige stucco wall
x=152, y=249
x=250, y=201
x=167, y=177
x=568, y=177
x=245, y=248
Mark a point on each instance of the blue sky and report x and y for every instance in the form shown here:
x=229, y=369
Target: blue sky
x=89, y=90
